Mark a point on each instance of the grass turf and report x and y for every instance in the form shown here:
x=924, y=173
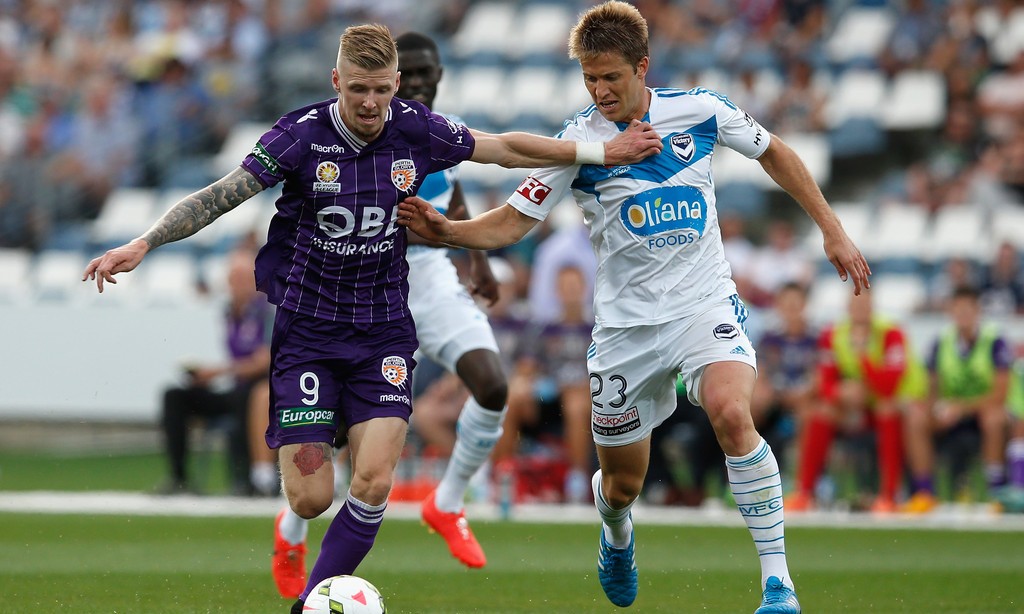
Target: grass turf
x=159, y=565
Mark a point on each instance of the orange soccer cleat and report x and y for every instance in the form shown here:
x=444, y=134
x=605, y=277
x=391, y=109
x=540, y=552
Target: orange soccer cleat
x=798, y=502
x=288, y=564
x=883, y=505
x=922, y=502
x=454, y=528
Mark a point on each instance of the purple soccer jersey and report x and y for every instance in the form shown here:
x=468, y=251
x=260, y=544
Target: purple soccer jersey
x=334, y=249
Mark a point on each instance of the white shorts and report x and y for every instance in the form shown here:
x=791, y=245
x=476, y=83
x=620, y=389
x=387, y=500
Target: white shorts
x=633, y=370
x=448, y=321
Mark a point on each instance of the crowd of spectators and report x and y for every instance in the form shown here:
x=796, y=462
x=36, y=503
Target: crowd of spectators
x=97, y=95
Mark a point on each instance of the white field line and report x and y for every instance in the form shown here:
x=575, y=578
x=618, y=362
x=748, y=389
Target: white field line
x=949, y=517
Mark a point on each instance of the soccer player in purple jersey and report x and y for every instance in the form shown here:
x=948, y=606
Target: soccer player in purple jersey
x=453, y=331
x=334, y=265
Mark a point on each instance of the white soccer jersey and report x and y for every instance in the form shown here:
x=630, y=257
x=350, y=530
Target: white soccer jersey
x=437, y=189
x=653, y=225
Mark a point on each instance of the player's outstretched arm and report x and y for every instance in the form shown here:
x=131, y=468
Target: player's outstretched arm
x=788, y=170
x=496, y=228
x=190, y=215
x=523, y=150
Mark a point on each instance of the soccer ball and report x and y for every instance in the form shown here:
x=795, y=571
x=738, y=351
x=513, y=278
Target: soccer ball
x=347, y=594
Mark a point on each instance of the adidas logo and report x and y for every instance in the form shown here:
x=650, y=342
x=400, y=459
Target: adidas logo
x=739, y=350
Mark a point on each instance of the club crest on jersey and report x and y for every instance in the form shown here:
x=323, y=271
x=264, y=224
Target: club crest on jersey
x=394, y=370
x=327, y=177
x=403, y=174
x=726, y=331
x=682, y=146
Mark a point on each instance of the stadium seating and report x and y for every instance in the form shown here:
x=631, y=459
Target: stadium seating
x=15, y=281
x=916, y=99
x=861, y=33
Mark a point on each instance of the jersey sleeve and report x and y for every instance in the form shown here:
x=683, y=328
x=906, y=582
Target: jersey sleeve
x=273, y=156
x=736, y=128
x=1002, y=354
x=538, y=194
x=450, y=142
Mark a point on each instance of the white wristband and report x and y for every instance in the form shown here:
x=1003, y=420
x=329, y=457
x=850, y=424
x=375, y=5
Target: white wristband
x=589, y=153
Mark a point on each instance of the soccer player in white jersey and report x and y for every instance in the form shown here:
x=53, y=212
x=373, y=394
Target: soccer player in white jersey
x=664, y=302
x=452, y=330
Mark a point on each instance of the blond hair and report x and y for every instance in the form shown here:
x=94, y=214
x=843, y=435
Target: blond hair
x=368, y=46
x=612, y=27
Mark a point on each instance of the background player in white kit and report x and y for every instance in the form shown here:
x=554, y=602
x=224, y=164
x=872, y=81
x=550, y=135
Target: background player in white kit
x=452, y=330
x=665, y=302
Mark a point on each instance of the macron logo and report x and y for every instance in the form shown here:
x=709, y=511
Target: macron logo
x=533, y=190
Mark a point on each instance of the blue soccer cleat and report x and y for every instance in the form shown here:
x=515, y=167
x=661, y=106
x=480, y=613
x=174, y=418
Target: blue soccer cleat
x=616, y=569
x=778, y=598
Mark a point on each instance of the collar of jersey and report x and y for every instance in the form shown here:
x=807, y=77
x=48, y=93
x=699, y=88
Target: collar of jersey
x=647, y=116
x=339, y=125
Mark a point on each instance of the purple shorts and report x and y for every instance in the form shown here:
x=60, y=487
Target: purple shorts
x=327, y=373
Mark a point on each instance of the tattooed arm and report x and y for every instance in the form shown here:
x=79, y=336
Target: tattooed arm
x=190, y=215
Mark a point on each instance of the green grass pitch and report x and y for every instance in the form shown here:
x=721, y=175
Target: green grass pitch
x=152, y=565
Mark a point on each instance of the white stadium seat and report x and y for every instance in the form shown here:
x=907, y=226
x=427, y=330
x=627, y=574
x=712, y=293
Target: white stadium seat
x=828, y=299
x=532, y=90
x=239, y=142
x=541, y=28
x=1008, y=225
x=899, y=232
x=169, y=278
x=15, y=283
x=856, y=93
x=898, y=296
x=861, y=32
x=57, y=276
x=958, y=231
x=916, y=100
x=487, y=27
x=483, y=91
x=856, y=219
x=127, y=213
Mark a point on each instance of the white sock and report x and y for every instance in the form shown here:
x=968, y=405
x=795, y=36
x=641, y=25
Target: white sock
x=477, y=431
x=757, y=488
x=264, y=477
x=618, y=526
x=293, y=528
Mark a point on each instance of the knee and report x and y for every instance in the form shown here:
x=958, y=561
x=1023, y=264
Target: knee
x=993, y=420
x=308, y=503
x=493, y=394
x=372, y=486
x=731, y=419
x=620, y=489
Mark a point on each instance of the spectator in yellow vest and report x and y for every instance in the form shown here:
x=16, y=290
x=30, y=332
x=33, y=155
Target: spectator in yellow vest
x=970, y=373
x=1012, y=497
x=868, y=373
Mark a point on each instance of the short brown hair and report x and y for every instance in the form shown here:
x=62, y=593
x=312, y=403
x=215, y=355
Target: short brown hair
x=368, y=46
x=610, y=27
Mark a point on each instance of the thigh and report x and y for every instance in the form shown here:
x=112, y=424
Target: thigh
x=632, y=389
x=629, y=461
x=376, y=446
x=715, y=335
x=448, y=321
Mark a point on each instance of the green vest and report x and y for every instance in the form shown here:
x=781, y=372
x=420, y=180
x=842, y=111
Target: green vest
x=1015, y=395
x=965, y=378
x=913, y=384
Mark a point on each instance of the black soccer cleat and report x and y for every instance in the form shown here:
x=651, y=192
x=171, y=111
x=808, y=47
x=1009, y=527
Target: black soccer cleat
x=297, y=607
